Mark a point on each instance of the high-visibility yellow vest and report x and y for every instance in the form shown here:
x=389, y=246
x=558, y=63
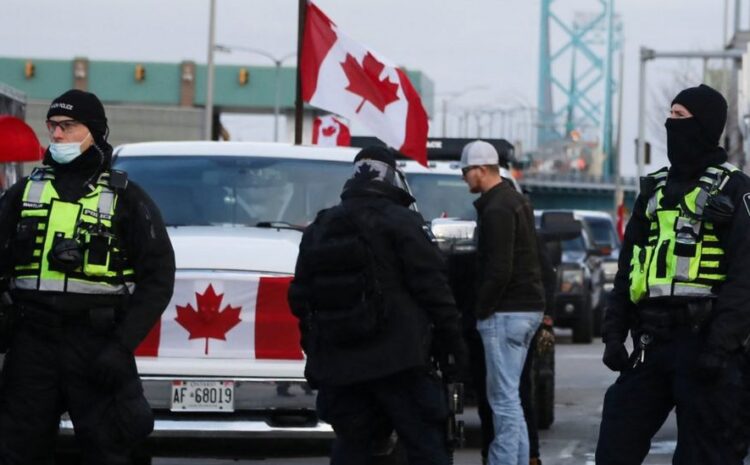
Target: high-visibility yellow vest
x=683, y=256
x=45, y=219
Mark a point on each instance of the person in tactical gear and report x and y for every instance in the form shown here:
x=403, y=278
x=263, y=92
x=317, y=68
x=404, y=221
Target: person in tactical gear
x=682, y=290
x=373, y=302
x=90, y=270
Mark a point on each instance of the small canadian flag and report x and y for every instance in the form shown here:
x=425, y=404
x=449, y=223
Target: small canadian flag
x=329, y=131
x=342, y=76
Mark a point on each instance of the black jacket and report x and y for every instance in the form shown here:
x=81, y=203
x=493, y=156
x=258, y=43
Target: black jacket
x=416, y=293
x=509, y=278
x=730, y=324
x=137, y=222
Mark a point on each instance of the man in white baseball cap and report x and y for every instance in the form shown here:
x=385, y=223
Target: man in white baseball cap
x=509, y=295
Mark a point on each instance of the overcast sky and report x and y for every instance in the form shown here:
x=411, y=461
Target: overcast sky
x=458, y=44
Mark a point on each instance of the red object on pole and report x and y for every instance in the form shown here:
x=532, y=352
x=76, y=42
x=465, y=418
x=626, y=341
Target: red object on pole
x=621, y=221
x=18, y=143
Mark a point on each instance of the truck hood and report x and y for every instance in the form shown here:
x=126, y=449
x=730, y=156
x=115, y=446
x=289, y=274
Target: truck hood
x=573, y=257
x=265, y=250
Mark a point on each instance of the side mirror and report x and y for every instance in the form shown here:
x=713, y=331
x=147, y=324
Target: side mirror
x=454, y=236
x=559, y=226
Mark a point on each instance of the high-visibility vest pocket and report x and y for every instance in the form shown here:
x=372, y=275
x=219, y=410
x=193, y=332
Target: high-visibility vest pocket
x=639, y=265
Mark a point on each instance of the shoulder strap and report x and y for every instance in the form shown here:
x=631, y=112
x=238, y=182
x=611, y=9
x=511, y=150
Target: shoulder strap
x=42, y=173
x=650, y=185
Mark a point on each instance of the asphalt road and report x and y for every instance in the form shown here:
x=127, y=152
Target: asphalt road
x=581, y=381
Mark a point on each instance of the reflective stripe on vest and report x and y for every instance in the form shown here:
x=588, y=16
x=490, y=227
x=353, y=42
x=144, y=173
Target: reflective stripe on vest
x=683, y=255
x=45, y=218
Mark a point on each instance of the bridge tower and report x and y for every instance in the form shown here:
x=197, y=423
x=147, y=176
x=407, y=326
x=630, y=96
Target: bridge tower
x=576, y=78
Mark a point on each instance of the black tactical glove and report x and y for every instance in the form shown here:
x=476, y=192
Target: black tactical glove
x=710, y=365
x=615, y=355
x=114, y=367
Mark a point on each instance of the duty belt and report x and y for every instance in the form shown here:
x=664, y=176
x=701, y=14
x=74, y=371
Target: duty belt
x=99, y=318
x=691, y=314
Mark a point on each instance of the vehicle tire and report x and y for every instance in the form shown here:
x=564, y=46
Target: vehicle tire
x=583, y=327
x=544, y=392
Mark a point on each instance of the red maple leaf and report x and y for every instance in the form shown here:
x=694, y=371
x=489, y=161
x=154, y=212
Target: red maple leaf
x=208, y=322
x=328, y=131
x=364, y=80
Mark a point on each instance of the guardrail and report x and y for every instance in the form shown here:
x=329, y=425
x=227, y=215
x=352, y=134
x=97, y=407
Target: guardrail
x=577, y=181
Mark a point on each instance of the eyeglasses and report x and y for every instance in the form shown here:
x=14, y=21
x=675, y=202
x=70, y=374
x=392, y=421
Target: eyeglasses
x=465, y=170
x=66, y=125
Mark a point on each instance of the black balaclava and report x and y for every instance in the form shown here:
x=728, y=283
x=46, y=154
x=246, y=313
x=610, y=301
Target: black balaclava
x=693, y=143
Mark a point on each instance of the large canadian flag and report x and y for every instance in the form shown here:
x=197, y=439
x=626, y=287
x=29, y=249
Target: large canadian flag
x=329, y=131
x=346, y=78
x=226, y=318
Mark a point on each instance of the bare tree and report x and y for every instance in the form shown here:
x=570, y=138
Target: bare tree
x=670, y=84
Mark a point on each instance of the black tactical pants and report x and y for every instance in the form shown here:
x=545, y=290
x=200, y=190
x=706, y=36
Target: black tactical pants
x=413, y=403
x=636, y=406
x=47, y=372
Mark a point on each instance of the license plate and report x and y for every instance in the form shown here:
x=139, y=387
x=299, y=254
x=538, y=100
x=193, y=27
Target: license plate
x=202, y=396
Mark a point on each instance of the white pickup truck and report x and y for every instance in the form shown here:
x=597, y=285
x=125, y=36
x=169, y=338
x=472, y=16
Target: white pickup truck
x=225, y=361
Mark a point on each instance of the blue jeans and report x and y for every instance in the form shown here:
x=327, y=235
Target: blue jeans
x=506, y=338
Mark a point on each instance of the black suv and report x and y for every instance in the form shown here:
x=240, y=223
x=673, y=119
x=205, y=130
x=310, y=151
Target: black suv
x=580, y=291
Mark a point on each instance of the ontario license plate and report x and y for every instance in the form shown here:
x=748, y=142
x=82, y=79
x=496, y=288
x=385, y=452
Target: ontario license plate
x=202, y=396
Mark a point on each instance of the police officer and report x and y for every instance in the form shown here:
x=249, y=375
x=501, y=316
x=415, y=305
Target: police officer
x=91, y=270
x=683, y=290
x=372, y=297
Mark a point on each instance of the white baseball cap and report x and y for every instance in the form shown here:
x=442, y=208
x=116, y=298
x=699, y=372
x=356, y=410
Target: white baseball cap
x=479, y=153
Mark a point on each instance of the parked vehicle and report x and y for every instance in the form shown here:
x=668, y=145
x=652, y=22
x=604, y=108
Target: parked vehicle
x=581, y=281
x=225, y=360
x=604, y=234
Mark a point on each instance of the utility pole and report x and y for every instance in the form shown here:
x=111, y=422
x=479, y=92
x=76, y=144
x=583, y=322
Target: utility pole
x=209, y=111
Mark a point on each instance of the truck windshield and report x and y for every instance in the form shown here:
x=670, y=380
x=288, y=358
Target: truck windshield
x=237, y=191
x=442, y=196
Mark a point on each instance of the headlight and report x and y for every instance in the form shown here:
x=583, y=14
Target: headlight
x=571, y=280
x=610, y=270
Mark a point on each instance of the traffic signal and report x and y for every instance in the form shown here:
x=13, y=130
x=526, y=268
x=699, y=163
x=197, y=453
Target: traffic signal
x=243, y=76
x=29, y=70
x=140, y=73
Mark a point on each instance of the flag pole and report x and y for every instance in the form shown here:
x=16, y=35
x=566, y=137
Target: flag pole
x=298, y=105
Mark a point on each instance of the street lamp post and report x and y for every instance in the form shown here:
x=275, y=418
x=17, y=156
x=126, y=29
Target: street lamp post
x=453, y=96
x=277, y=62
x=209, y=113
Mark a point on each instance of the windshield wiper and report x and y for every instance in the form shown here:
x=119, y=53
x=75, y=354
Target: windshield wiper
x=279, y=225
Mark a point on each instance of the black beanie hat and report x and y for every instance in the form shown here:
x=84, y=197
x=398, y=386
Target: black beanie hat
x=84, y=107
x=708, y=107
x=377, y=152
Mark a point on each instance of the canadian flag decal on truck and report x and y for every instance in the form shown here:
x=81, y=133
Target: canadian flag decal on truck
x=227, y=318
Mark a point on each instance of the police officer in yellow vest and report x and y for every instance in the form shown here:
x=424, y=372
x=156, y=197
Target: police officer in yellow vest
x=90, y=269
x=683, y=291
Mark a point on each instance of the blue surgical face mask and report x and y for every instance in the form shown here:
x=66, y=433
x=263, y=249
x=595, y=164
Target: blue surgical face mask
x=65, y=152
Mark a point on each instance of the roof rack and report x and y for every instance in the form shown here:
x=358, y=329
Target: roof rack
x=445, y=148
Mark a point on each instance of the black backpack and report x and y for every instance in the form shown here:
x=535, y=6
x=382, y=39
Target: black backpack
x=347, y=297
